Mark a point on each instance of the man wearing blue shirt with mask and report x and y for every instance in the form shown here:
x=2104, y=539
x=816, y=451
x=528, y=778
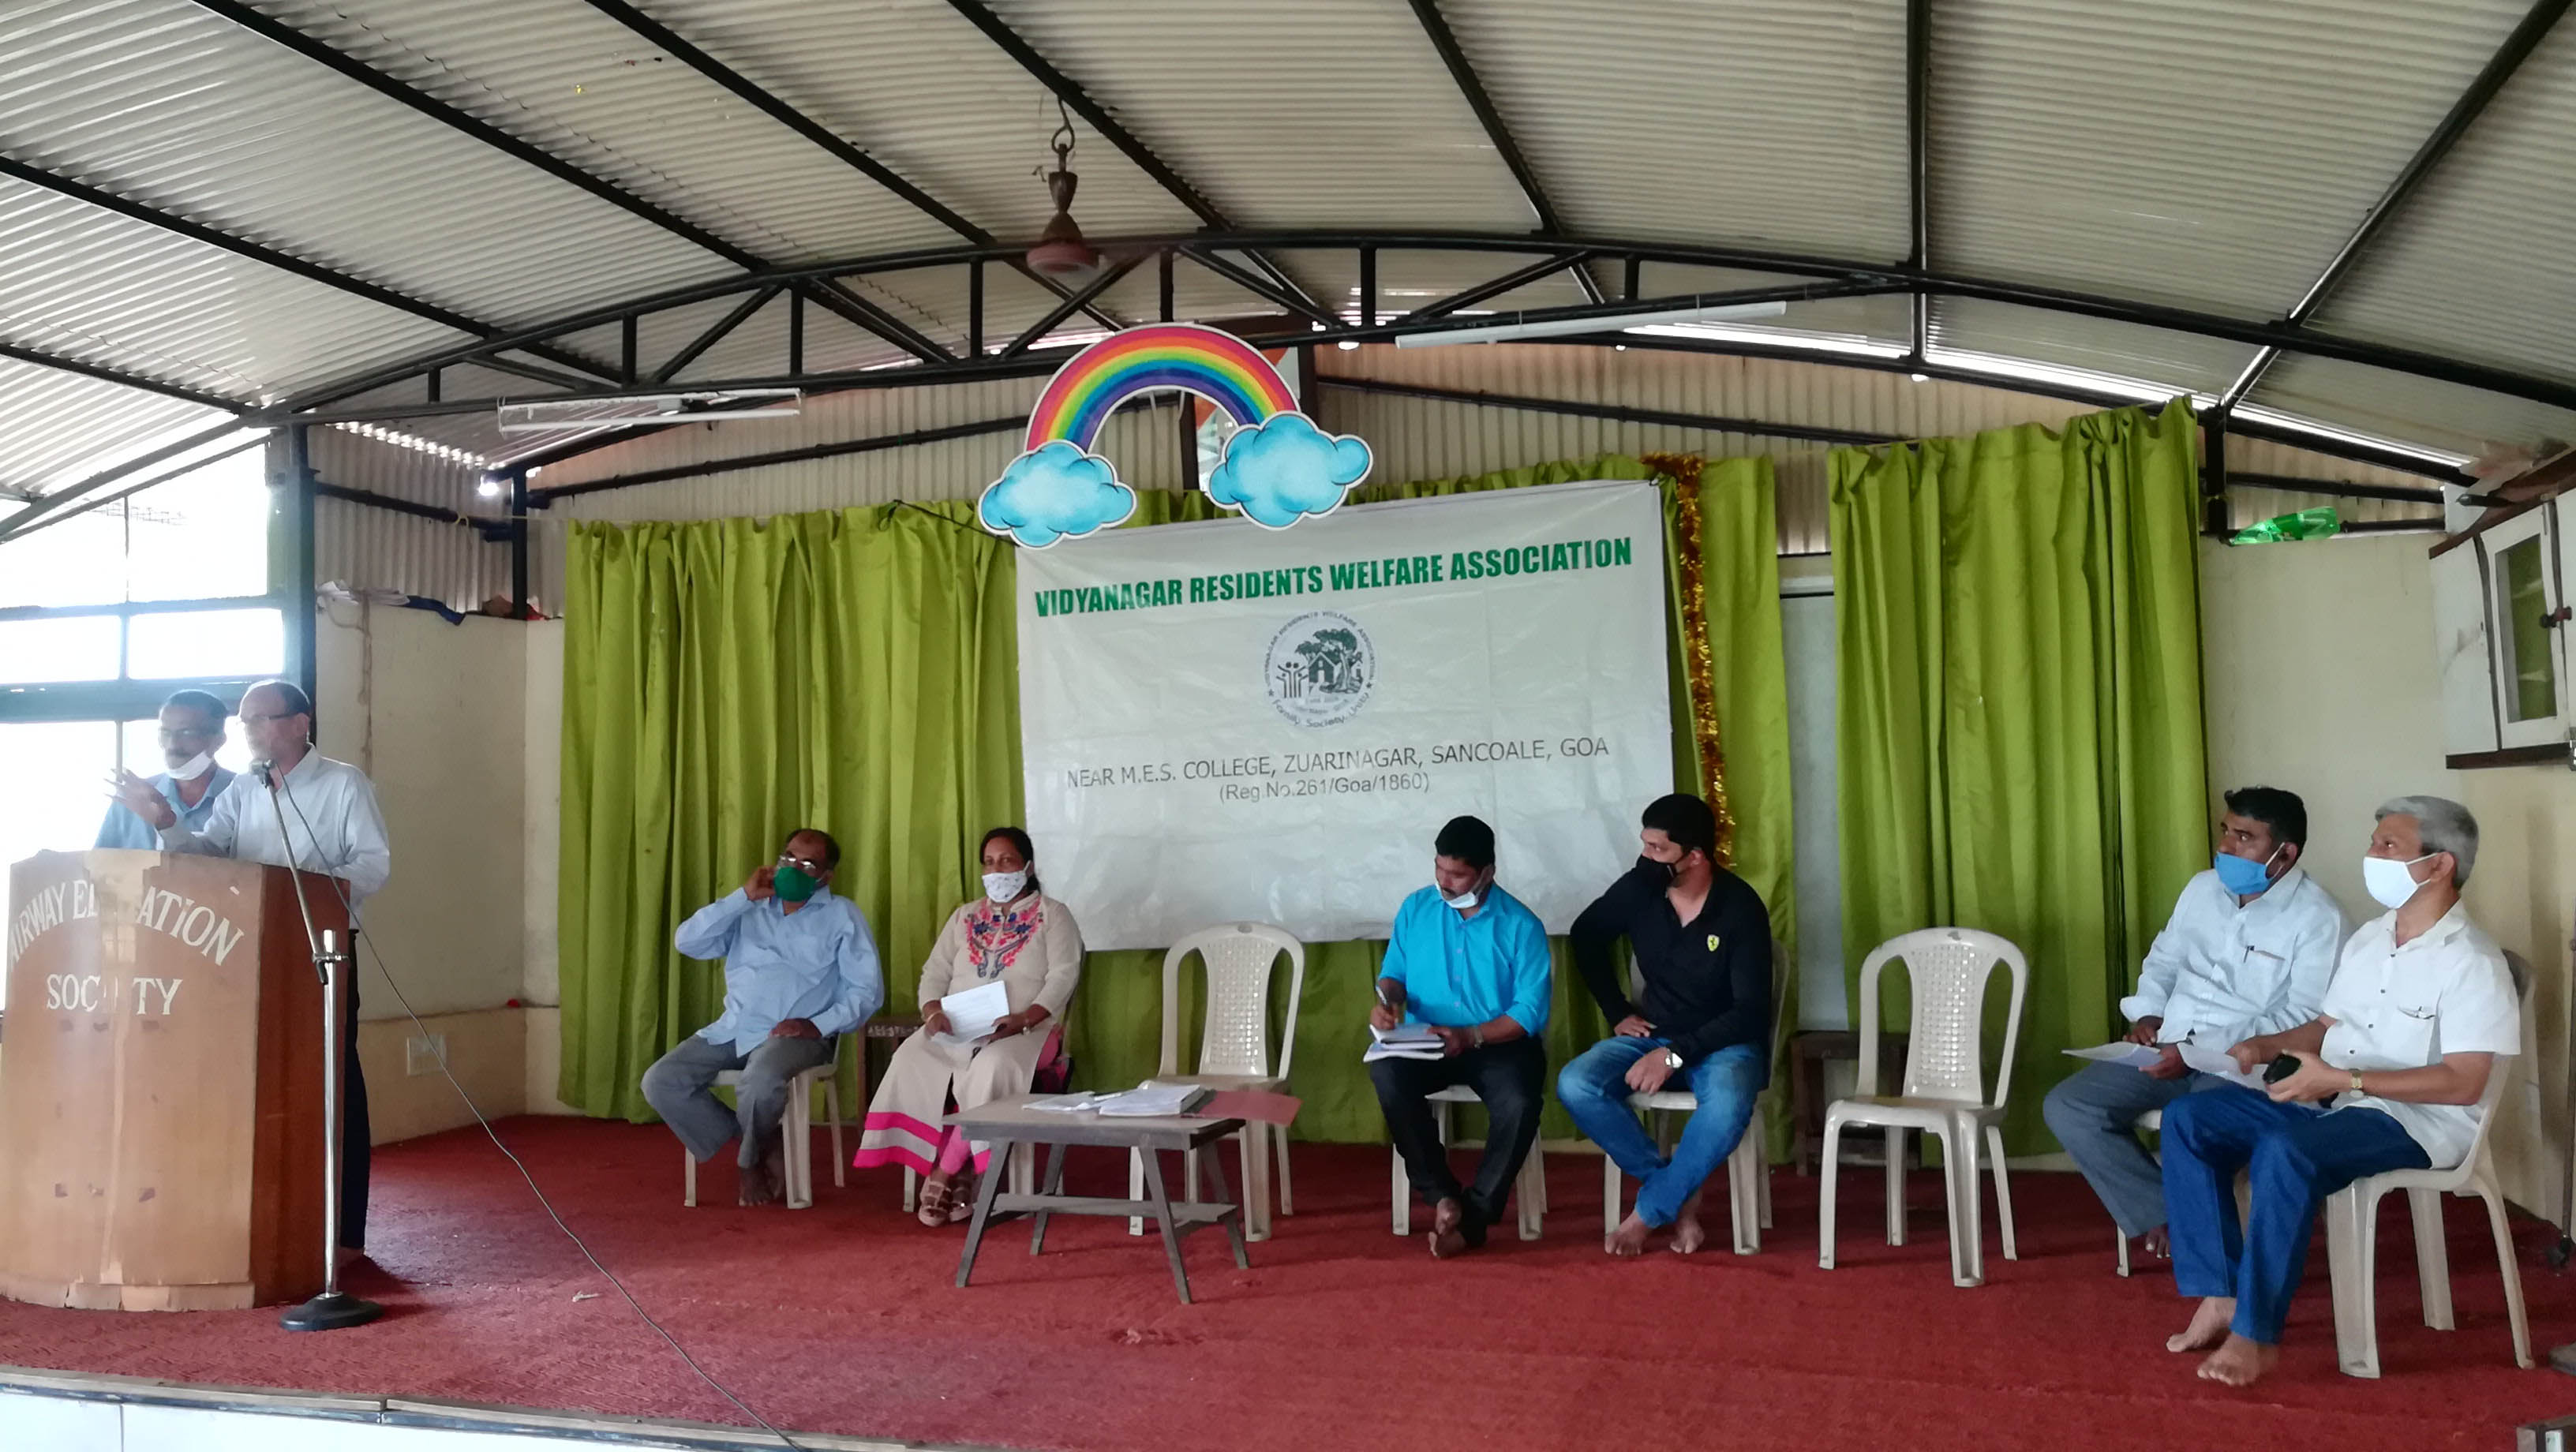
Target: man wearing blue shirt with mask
x=800, y=969
x=2249, y=950
x=1468, y=960
x=192, y=731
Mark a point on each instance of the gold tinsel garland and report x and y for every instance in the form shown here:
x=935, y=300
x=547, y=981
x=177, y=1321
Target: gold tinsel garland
x=1697, y=660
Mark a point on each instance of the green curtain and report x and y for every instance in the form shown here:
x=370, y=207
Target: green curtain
x=727, y=682
x=730, y=595
x=2019, y=710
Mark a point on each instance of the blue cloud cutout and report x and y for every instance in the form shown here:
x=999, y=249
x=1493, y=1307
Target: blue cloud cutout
x=1284, y=469
x=1055, y=491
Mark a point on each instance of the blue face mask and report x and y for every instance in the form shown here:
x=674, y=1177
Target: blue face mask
x=2243, y=876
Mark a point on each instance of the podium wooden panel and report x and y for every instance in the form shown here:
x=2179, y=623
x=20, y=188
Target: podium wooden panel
x=161, y=1083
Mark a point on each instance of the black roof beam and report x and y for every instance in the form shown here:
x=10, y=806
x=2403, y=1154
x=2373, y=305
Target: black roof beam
x=722, y=328
x=16, y=524
x=1918, y=160
x=1293, y=301
x=121, y=378
x=830, y=293
x=2527, y=35
x=282, y=261
x=1101, y=282
x=1519, y=277
x=1079, y=102
x=1471, y=86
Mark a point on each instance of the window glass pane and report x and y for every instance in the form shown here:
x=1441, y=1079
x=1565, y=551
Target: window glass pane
x=2522, y=586
x=80, y=561
x=144, y=757
x=202, y=535
x=205, y=644
x=60, y=805
x=73, y=648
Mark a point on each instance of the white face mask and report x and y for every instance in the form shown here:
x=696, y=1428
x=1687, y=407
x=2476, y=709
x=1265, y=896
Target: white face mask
x=198, y=765
x=1465, y=900
x=1005, y=886
x=2389, y=880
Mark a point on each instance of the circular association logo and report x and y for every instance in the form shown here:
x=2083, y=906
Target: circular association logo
x=1320, y=668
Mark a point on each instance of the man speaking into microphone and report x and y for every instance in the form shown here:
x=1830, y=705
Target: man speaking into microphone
x=333, y=827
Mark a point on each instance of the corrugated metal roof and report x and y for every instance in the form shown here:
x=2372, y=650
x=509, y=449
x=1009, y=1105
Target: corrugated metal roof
x=59, y=427
x=1757, y=125
x=1321, y=113
x=2158, y=361
x=2205, y=152
x=2384, y=405
x=2483, y=264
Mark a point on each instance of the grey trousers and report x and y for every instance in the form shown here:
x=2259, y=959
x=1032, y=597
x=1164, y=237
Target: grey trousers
x=2094, y=1114
x=680, y=1087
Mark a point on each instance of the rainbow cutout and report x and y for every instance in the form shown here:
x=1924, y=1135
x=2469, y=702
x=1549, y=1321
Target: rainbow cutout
x=1219, y=367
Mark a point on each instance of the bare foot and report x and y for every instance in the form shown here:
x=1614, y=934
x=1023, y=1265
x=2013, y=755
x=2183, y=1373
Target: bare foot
x=1688, y=1234
x=761, y=1184
x=2239, y=1362
x=2157, y=1243
x=2208, y=1325
x=1447, y=1239
x=1630, y=1238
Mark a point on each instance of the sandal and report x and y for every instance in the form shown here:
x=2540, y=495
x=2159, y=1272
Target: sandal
x=937, y=1199
x=961, y=1196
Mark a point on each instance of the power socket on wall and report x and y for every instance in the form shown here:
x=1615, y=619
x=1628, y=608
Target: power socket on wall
x=423, y=1055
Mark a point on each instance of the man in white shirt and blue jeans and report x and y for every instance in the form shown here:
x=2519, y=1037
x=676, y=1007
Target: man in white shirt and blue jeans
x=2248, y=951
x=2389, y=1077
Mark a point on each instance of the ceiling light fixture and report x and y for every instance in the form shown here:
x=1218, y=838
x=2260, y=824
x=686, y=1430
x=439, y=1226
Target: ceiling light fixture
x=722, y=405
x=1565, y=327
x=1061, y=251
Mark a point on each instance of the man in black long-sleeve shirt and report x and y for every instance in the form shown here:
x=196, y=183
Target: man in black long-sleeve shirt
x=1702, y=943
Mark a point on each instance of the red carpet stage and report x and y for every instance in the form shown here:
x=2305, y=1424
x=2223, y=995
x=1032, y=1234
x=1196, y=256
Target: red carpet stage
x=843, y=1319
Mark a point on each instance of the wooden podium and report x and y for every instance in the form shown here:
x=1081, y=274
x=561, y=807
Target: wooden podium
x=161, y=1134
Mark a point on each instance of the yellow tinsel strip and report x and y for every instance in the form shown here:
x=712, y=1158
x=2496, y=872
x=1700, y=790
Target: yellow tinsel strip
x=1697, y=660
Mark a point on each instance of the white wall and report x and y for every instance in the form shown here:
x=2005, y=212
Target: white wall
x=2317, y=659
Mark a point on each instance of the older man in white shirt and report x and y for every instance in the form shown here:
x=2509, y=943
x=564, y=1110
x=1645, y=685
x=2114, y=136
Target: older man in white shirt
x=2248, y=950
x=332, y=826
x=2421, y=1007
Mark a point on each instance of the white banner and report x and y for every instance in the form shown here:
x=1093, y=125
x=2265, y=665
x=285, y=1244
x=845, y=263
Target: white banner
x=1223, y=723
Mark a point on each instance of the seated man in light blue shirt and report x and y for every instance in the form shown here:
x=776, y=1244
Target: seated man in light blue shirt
x=192, y=731
x=1468, y=960
x=2249, y=950
x=800, y=969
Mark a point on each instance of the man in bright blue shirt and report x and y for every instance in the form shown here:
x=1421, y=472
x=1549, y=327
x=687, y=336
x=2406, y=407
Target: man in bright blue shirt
x=192, y=731
x=1468, y=960
x=800, y=969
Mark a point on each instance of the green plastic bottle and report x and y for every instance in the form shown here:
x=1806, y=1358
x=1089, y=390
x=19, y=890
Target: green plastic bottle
x=2319, y=523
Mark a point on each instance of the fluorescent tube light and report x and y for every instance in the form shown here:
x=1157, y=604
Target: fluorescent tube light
x=1565, y=327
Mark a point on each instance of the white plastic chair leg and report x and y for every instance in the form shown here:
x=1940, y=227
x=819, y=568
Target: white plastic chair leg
x=1743, y=1208
x=1960, y=1154
x=1254, y=1148
x=1762, y=1182
x=2118, y=1235
x=1024, y=1169
x=1611, y=1189
x=840, y=1161
x=688, y=1178
x=2003, y=1189
x=796, y=1142
x=1135, y=1188
x=2351, y=1252
x=2432, y=1258
x=1833, y=1168
x=2512, y=1276
x=911, y=1189
x=1532, y=1193
x=1279, y=1138
x=1402, y=1218
x=1896, y=1187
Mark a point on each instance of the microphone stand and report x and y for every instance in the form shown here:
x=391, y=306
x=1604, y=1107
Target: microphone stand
x=333, y=1309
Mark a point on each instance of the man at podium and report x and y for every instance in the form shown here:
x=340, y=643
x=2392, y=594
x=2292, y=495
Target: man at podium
x=333, y=827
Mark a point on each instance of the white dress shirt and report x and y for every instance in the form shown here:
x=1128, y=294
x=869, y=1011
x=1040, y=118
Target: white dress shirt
x=2219, y=974
x=2447, y=992
x=332, y=822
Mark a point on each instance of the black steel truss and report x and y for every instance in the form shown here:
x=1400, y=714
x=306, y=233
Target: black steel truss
x=1918, y=158
x=2517, y=48
x=121, y=378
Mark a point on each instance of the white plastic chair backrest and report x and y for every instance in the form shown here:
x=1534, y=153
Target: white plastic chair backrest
x=1946, y=971
x=1234, y=1037
x=2499, y=1075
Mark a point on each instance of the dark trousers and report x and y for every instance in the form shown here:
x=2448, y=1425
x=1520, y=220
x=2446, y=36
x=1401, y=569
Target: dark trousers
x=1509, y=1078
x=353, y=1126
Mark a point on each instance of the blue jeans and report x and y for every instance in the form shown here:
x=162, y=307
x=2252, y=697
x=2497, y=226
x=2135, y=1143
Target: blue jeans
x=1595, y=1091
x=2296, y=1155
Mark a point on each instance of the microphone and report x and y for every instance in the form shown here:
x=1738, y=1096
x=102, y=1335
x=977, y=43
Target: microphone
x=263, y=773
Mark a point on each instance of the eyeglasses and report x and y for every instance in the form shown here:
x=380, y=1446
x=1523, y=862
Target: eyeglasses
x=248, y=718
x=188, y=733
x=807, y=865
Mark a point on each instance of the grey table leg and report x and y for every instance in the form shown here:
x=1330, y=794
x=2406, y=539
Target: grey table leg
x=1163, y=1216
x=1215, y=1153
x=987, y=1187
x=1051, y=1183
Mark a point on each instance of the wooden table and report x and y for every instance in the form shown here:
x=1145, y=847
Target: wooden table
x=1008, y=1122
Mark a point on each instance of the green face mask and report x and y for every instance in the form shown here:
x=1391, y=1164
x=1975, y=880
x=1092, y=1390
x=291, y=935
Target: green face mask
x=792, y=885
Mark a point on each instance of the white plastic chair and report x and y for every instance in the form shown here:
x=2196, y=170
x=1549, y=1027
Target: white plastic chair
x=1944, y=1090
x=1234, y=1050
x=796, y=1128
x=1748, y=1168
x=1529, y=1190
x=2352, y=1229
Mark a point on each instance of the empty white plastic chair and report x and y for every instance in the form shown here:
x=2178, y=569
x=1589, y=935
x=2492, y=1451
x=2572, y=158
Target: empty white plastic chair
x=1529, y=1189
x=2352, y=1229
x=1234, y=1049
x=796, y=1128
x=1748, y=1168
x=1944, y=1090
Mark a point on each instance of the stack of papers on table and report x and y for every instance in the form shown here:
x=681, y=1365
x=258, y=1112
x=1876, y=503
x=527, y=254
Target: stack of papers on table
x=1068, y=1103
x=1150, y=1100
x=1404, y=1041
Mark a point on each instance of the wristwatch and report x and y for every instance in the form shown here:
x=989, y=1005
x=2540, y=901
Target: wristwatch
x=2356, y=1081
x=1672, y=1060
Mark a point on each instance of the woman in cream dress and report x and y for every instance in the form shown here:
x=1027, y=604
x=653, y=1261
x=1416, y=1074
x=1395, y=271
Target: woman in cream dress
x=1014, y=933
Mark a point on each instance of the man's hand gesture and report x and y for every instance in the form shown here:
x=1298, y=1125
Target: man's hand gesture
x=143, y=798
x=756, y=887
